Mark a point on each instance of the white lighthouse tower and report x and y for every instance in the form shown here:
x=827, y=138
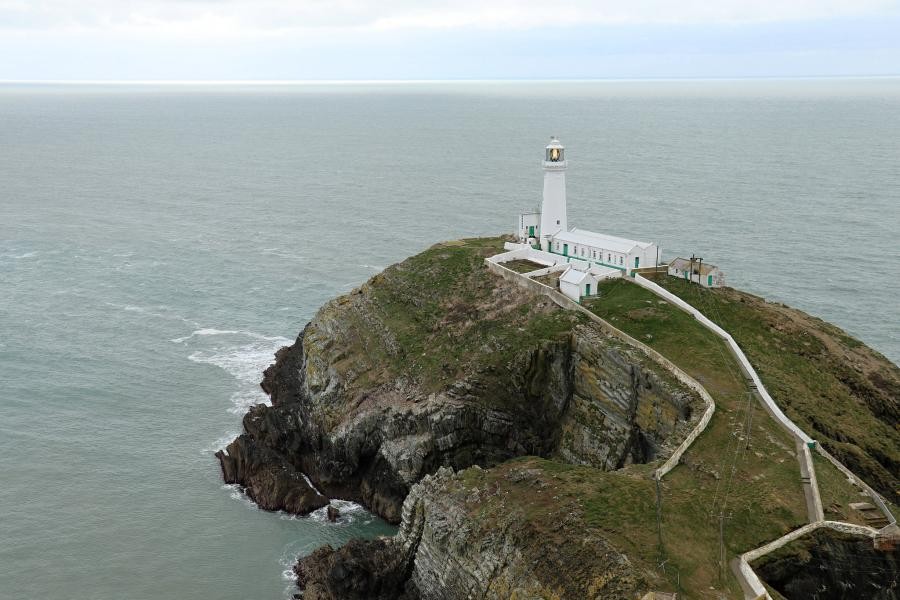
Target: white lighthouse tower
x=553, y=207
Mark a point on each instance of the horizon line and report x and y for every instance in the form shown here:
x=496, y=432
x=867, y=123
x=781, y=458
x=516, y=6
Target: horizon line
x=251, y=82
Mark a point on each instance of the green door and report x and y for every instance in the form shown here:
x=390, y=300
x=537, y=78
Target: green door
x=709, y=280
x=637, y=261
x=565, y=249
x=587, y=289
x=685, y=274
x=531, y=231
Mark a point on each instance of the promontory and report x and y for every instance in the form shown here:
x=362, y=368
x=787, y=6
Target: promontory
x=530, y=446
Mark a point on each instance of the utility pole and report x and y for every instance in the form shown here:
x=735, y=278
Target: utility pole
x=693, y=258
x=660, y=547
x=722, y=548
x=749, y=416
x=722, y=560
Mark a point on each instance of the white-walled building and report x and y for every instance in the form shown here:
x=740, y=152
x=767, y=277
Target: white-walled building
x=530, y=226
x=696, y=271
x=579, y=281
x=605, y=250
x=548, y=228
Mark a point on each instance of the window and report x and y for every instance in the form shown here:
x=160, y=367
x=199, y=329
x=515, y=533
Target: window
x=620, y=260
x=555, y=154
x=609, y=258
x=557, y=221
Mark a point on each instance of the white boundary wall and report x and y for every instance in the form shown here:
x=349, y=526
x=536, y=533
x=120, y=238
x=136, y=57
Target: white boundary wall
x=770, y=403
x=746, y=558
x=743, y=563
x=683, y=377
x=735, y=349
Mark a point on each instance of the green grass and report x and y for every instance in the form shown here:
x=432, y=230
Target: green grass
x=835, y=388
x=440, y=316
x=763, y=499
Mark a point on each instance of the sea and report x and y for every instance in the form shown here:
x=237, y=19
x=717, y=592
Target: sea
x=158, y=243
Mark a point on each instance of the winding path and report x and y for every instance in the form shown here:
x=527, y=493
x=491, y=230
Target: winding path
x=749, y=581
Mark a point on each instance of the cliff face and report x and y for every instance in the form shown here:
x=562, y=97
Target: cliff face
x=435, y=364
x=582, y=397
x=402, y=376
x=478, y=534
x=509, y=438
x=828, y=565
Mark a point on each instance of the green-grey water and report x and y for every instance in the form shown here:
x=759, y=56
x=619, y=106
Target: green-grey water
x=159, y=243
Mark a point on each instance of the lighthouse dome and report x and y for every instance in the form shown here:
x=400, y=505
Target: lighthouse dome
x=555, y=151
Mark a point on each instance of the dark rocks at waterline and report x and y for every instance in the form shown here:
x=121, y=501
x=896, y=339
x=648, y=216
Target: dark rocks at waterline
x=359, y=570
x=269, y=480
x=372, y=445
x=333, y=513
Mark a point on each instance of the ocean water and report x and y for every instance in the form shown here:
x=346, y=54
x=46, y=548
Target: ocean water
x=159, y=243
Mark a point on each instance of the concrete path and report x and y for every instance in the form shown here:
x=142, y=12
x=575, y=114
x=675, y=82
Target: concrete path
x=750, y=583
x=740, y=566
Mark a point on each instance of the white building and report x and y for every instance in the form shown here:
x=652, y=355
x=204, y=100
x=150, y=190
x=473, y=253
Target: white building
x=697, y=271
x=579, y=281
x=605, y=250
x=548, y=228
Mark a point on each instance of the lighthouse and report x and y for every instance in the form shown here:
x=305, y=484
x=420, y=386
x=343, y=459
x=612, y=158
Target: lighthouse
x=553, y=207
x=545, y=238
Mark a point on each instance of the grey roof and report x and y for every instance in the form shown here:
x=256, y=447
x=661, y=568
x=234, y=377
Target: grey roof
x=573, y=275
x=685, y=264
x=600, y=240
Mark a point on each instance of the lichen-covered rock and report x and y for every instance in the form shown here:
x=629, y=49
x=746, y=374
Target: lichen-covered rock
x=584, y=398
x=469, y=536
x=391, y=382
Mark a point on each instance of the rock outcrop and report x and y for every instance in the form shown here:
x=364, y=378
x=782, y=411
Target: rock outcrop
x=584, y=398
x=829, y=565
x=447, y=550
x=509, y=439
x=362, y=426
x=398, y=381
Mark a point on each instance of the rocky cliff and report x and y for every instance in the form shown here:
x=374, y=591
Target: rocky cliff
x=514, y=442
x=480, y=534
x=365, y=412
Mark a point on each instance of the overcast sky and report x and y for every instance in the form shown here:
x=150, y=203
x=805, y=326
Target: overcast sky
x=444, y=39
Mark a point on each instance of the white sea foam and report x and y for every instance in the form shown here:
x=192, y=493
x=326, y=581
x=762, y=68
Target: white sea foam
x=246, y=362
x=236, y=493
x=278, y=252
x=157, y=311
x=350, y=513
x=221, y=443
x=209, y=331
x=242, y=401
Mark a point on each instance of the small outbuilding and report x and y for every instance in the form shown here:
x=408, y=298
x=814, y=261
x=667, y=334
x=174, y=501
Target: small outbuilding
x=577, y=282
x=697, y=271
